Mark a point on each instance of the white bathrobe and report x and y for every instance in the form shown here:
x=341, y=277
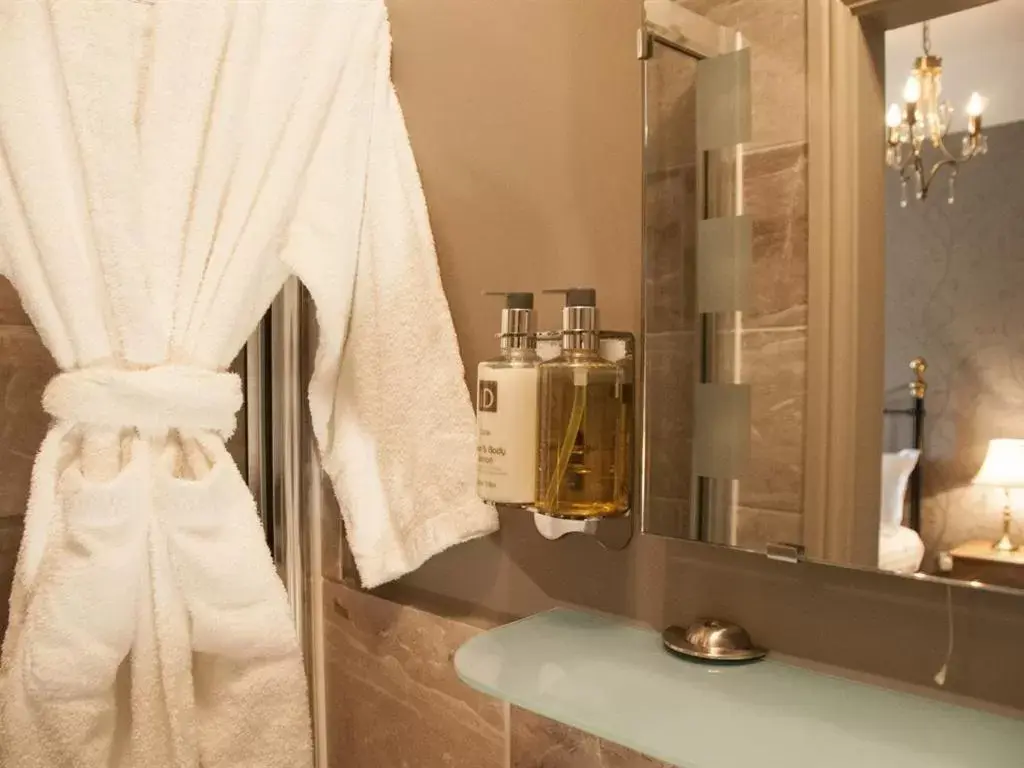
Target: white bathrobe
x=164, y=166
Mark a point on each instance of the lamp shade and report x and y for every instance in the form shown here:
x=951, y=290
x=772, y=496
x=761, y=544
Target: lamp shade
x=1004, y=464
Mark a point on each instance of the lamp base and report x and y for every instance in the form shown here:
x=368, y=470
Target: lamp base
x=1005, y=544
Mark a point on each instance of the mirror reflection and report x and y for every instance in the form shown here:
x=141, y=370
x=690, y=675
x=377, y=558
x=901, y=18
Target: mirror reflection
x=725, y=316
x=953, y=467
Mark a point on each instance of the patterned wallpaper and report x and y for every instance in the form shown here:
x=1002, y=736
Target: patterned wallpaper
x=955, y=295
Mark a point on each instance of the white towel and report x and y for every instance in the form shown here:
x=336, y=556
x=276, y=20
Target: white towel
x=164, y=167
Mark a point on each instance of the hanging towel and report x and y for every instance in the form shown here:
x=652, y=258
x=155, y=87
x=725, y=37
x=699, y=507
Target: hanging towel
x=164, y=167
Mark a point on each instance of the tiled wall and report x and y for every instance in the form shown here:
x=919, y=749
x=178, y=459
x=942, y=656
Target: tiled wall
x=953, y=277
x=774, y=342
x=25, y=367
x=671, y=355
x=772, y=333
x=395, y=700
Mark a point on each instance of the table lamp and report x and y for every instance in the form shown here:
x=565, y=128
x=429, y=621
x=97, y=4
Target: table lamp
x=1003, y=468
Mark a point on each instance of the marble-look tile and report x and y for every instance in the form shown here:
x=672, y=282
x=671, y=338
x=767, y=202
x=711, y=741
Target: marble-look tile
x=393, y=696
x=336, y=563
x=670, y=360
x=671, y=116
x=757, y=527
x=10, y=540
x=777, y=33
x=670, y=226
x=536, y=742
x=775, y=196
x=25, y=368
x=11, y=312
x=773, y=363
x=668, y=517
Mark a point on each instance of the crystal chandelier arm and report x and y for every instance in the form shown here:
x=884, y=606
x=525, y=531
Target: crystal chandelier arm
x=953, y=162
x=954, y=166
x=948, y=156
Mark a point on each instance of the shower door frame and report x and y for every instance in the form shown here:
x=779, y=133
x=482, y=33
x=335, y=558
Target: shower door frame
x=285, y=477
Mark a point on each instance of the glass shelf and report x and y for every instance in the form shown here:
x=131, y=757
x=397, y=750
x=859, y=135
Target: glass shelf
x=614, y=680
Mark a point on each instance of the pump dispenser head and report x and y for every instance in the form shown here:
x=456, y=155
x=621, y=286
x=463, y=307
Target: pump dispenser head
x=579, y=318
x=516, y=320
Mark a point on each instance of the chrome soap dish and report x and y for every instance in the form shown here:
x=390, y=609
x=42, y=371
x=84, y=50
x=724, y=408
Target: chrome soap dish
x=712, y=640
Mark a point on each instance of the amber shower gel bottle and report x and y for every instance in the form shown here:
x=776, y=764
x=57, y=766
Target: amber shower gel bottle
x=585, y=416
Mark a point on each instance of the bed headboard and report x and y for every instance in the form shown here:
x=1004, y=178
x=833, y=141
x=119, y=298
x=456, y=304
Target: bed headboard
x=917, y=388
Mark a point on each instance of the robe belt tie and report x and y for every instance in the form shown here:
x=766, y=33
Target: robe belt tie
x=150, y=400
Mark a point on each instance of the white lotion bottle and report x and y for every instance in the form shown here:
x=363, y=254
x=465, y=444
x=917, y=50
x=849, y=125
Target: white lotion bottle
x=506, y=409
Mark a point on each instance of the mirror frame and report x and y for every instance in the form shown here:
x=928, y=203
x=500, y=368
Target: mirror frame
x=846, y=270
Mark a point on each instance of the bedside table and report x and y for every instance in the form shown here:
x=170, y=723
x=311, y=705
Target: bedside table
x=977, y=561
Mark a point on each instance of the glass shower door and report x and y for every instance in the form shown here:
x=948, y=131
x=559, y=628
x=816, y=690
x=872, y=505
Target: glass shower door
x=292, y=481
x=275, y=450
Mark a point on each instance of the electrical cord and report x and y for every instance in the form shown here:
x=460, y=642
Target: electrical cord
x=940, y=676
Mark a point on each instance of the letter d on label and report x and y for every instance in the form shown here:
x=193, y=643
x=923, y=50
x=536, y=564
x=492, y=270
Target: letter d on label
x=487, y=397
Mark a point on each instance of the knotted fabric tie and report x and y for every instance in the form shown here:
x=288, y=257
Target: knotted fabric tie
x=151, y=400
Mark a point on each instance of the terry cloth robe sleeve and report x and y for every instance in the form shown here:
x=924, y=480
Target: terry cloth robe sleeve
x=388, y=399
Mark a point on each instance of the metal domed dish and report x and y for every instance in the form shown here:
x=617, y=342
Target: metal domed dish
x=712, y=640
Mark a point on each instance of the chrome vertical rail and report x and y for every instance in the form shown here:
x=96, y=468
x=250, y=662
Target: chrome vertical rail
x=256, y=428
x=313, y=488
x=286, y=426
x=295, y=483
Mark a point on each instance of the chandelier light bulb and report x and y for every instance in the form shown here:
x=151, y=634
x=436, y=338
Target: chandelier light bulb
x=976, y=105
x=912, y=90
x=894, y=116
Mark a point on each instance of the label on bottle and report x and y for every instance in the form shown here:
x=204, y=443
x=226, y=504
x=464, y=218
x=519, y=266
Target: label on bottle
x=507, y=434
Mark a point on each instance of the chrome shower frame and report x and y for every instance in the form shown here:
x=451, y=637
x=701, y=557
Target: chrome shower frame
x=285, y=477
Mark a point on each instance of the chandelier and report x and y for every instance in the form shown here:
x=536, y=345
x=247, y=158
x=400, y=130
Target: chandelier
x=925, y=116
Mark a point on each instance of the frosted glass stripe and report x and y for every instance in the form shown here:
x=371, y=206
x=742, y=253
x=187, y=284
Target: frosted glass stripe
x=723, y=100
x=721, y=439
x=612, y=679
x=724, y=261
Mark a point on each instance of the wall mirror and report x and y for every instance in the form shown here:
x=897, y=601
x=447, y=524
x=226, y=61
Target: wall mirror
x=884, y=428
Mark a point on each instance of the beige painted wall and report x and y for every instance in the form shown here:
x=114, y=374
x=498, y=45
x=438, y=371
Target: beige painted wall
x=526, y=125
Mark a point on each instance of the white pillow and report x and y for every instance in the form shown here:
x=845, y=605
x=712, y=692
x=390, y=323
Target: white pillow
x=896, y=469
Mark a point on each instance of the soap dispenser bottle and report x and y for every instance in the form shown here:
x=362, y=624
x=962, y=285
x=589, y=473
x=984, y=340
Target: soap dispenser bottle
x=585, y=421
x=506, y=407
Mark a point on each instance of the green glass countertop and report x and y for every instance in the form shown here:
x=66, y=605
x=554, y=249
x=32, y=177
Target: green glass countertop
x=613, y=679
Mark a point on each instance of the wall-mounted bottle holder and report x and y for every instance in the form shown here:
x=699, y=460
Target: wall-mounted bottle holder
x=613, y=532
